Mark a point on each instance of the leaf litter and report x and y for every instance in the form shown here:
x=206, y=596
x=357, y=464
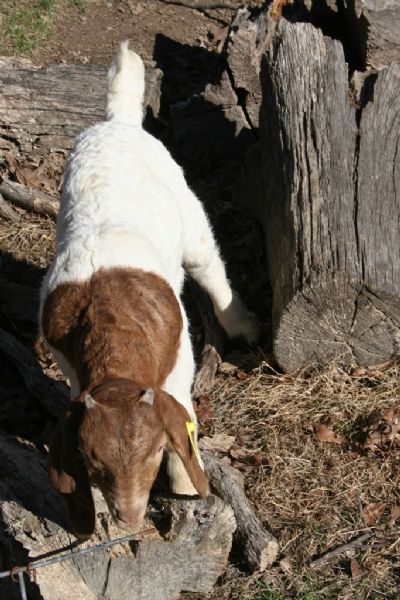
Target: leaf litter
x=330, y=440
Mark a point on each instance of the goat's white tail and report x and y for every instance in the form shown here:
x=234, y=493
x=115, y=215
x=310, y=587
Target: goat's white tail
x=126, y=87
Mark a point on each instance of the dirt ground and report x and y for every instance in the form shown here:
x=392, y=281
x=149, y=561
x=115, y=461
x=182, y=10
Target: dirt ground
x=319, y=449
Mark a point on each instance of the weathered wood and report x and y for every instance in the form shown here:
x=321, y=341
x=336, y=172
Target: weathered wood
x=357, y=542
x=328, y=204
x=259, y=547
x=203, y=382
x=213, y=342
x=379, y=30
x=42, y=109
x=29, y=199
x=7, y=211
x=33, y=522
x=247, y=36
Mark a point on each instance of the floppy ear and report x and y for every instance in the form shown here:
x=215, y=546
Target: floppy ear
x=176, y=418
x=68, y=473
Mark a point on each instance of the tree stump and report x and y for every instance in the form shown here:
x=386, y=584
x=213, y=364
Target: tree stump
x=328, y=199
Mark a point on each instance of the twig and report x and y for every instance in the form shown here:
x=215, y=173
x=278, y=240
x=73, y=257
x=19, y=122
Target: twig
x=258, y=547
x=204, y=5
x=29, y=199
x=358, y=542
x=213, y=342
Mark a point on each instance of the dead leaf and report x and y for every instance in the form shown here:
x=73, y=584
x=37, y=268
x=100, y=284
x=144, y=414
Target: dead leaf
x=248, y=456
x=241, y=375
x=286, y=567
x=372, y=512
x=205, y=413
x=323, y=433
x=356, y=571
x=358, y=372
x=384, y=432
x=226, y=368
x=238, y=453
x=220, y=442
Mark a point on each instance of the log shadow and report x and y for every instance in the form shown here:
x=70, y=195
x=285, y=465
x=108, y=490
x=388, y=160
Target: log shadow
x=340, y=23
x=209, y=142
x=25, y=423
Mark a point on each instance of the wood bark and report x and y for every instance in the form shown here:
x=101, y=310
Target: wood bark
x=258, y=548
x=29, y=199
x=376, y=23
x=213, y=343
x=245, y=46
x=7, y=211
x=329, y=202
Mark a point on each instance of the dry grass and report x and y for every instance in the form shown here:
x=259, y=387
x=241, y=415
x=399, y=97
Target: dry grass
x=32, y=239
x=312, y=494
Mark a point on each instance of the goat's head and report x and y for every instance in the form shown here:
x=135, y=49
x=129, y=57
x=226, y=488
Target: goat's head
x=114, y=436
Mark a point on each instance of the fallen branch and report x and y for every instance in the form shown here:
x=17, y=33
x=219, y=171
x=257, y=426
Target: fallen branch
x=204, y=5
x=29, y=199
x=259, y=547
x=210, y=359
x=213, y=342
x=7, y=211
x=358, y=542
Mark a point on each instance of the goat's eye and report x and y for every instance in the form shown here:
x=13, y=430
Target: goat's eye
x=160, y=449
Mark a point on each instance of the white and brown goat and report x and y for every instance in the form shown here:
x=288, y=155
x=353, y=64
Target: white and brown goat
x=128, y=227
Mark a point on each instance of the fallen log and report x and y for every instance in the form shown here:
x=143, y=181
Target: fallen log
x=42, y=109
x=258, y=548
x=7, y=211
x=29, y=199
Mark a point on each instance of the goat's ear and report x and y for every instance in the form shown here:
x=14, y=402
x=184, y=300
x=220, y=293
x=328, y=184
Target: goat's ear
x=68, y=473
x=179, y=428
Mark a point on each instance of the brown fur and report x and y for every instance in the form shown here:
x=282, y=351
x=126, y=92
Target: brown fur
x=120, y=332
x=123, y=323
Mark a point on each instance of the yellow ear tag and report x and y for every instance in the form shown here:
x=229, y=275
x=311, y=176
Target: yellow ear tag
x=191, y=429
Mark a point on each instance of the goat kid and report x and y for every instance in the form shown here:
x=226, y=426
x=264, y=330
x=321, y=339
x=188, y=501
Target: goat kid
x=111, y=313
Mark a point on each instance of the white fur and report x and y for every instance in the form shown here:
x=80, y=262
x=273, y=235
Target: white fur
x=125, y=202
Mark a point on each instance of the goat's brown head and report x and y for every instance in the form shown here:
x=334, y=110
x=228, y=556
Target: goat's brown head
x=114, y=435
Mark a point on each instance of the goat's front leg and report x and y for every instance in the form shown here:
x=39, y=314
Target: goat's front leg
x=203, y=262
x=178, y=384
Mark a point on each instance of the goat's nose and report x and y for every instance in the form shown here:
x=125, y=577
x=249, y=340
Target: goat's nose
x=128, y=518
